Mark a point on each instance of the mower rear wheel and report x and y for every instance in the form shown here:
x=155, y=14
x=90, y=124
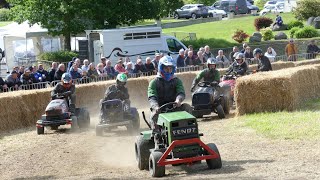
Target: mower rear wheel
x=40, y=130
x=226, y=104
x=84, y=118
x=154, y=169
x=214, y=163
x=220, y=112
x=74, y=124
x=142, y=149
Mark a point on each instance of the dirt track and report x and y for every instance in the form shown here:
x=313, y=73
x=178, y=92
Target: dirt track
x=82, y=155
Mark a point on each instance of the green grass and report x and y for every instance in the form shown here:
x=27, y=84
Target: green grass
x=301, y=124
x=163, y=21
x=4, y=23
x=225, y=29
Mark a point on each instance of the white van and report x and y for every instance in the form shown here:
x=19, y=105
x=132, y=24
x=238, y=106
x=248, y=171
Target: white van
x=131, y=42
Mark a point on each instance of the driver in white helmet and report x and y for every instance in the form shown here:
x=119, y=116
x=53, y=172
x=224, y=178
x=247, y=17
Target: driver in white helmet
x=209, y=74
x=239, y=66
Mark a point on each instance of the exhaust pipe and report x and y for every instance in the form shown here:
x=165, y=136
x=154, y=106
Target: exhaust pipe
x=145, y=120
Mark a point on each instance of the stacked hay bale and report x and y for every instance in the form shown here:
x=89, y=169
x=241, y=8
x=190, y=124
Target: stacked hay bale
x=307, y=62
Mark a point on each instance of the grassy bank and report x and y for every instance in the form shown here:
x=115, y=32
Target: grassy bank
x=4, y=23
x=301, y=124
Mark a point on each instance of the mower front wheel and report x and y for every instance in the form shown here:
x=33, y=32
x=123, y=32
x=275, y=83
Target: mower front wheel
x=142, y=149
x=74, y=124
x=220, y=111
x=154, y=169
x=40, y=130
x=214, y=163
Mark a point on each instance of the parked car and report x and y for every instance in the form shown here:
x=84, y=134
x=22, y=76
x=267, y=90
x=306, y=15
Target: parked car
x=193, y=11
x=272, y=9
x=234, y=6
x=268, y=3
x=214, y=11
x=252, y=7
x=251, y=1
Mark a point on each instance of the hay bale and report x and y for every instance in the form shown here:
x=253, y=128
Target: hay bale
x=282, y=65
x=307, y=62
x=187, y=79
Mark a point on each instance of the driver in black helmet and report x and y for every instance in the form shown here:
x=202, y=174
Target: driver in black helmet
x=209, y=74
x=239, y=66
x=67, y=89
x=264, y=62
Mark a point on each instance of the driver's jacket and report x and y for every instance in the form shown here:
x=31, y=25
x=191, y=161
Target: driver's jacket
x=59, y=89
x=238, y=69
x=116, y=92
x=207, y=75
x=161, y=91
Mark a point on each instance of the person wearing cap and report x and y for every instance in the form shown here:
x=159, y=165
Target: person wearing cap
x=239, y=65
x=26, y=78
x=66, y=88
x=119, y=67
x=156, y=60
x=210, y=74
x=291, y=50
x=312, y=50
x=139, y=67
x=263, y=62
x=13, y=80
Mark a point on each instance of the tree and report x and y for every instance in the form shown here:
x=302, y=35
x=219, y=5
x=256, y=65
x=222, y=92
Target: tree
x=306, y=9
x=169, y=6
x=66, y=17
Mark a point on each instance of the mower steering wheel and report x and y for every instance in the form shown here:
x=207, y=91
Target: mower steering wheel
x=168, y=107
x=204, y=84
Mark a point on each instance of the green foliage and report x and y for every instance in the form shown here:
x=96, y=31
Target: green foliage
x=169, y=6
x=293, y=31
x=262, y=22
x=59, y=56
x=292, y=24
x=240, y=36
x=307, y=32
x=306, y=9
x=205, y=2
x=267, y=34
x=5, y=15
x=212, y=42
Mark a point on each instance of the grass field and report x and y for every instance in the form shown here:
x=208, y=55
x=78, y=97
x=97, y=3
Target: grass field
x=224, y=29
x=4, y=23
x=300, y=124
x=152, y=21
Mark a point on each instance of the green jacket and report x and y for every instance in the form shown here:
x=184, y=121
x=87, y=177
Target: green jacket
x=207, y=75
x=161, y=92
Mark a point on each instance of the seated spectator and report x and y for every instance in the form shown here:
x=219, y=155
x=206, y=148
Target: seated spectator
x=84, y=77
x=59, y=72
x=139, y=67
x=235, y=49
x=270, y=54
x=156, y=60
x=244, y=46
x=312, y=50
x=248, y=55
x=74, y=72
x=103, y=60
x=35, y=74
x=126, y=60
x=129, y=68
x=21, y=71
x=180, y=59
x=119, y=67
x=189, y=59
x=222, y=60
x=202, y=50
x=149, y=66
x=3, y=85
x=52, y=71
x=78, y=64
x=190, y=48
x=43, y=73
x=112, y=73
x=27, y=78
x=207, y=54
x=278, y=21
x=92, y=72
x=199, y=60
x=70, y=64
x=85, y=66
x=13, y=80
x=101, y=71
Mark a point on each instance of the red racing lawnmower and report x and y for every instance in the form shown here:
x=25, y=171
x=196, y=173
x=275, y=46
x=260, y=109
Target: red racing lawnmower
x=175, y=142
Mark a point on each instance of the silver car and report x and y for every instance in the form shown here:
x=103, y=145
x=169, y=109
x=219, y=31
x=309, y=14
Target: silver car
x=193, y=11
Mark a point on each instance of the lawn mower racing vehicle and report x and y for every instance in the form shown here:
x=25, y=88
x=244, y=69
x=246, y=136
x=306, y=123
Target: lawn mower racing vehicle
x=116, y=112
x=176, y=141
x=210, y=97
x=58, y=113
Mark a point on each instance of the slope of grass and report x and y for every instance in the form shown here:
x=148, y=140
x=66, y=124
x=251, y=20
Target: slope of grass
x=4, y=23
x=301, y=124
x=224, y=29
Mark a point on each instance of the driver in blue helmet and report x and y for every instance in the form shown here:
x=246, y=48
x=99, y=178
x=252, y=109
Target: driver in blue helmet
x=66, y=88
x=209, y=74
x=166, y=88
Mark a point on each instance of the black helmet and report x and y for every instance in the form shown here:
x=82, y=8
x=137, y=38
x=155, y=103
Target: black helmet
x=257, y=50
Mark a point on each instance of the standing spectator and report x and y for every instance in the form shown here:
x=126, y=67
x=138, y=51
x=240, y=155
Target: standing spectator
x=70, y=63
x=119, y=67
x=200, y=59
x=222, y=60
x=263, y=62
x=207, y=54
x=291, y=50
x=312, y=50
x=52, y=71
x=180, y=59
x=13, y=80
x=129, y=68
x=74, y=72
x=92, y=72
x=139, y=67
x=248, y=55
x=21, y=71
x=149, y=66
x=43, y=73
x=85, y=66
x=244, y=46
x=156, y=60
x=235, y=49
x=112, y=73
x=77, y=62
x=270, y=54
x=101, y=71
x=189, y=59
x=202, y=50
x=3, y=85
x=103, y=60
x=59, y=72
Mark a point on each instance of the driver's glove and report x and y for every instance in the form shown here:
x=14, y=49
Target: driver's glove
x=192, y=89
x=178, y=102
x=156, y=109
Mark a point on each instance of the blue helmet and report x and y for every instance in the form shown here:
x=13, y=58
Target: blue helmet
x=66, y=78
x=166, y=61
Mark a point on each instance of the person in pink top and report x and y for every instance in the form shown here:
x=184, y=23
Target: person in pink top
x=119, y=67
